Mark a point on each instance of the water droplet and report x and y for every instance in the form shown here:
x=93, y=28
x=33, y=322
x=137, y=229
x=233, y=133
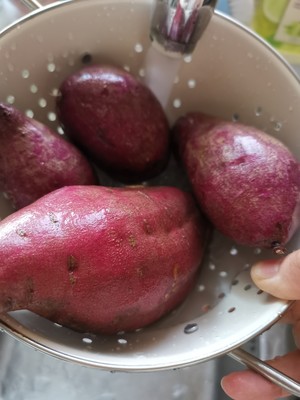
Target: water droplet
x=127, y=68
x=257, y=251
x=291, y=108
x=249, y=55
x=142, y=72
x=191, y=328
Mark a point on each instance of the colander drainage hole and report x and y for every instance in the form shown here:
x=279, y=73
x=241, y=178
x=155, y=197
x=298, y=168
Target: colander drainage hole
x=247, y=287
x=235, y=117
x=10, y=99
x=233, y=251
x=86, y=58
x=191, y=328
x=25, y=73
x=259, y=292
x=87, y=340
x=51, y=67
x=29, y=113
x=122, y=341
x=258, y=111
x=51, y=116
x=235, y=282
x=231, y=309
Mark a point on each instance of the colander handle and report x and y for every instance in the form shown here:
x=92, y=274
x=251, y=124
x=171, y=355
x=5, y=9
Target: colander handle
x=266, y=370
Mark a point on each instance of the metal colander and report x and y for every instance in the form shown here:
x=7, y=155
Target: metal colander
x=230, y=73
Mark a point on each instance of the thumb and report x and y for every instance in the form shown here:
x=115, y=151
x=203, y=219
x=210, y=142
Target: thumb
x=281, y=278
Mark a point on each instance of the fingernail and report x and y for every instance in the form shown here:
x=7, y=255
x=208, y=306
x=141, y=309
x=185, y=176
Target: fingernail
x=266, y=269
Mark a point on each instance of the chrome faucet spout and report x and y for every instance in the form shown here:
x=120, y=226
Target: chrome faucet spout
x=177, y=25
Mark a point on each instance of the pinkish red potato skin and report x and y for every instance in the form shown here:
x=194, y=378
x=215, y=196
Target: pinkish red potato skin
x=246, y=182
x=116, y=120
x=35, y=161
x=101, y=259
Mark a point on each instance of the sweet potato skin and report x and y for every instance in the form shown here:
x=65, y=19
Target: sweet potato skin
x=246, y=181
x=34, y=160
x=101, y=259
x=115, y=120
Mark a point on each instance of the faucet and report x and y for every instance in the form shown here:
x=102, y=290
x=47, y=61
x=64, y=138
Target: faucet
x=177, y=25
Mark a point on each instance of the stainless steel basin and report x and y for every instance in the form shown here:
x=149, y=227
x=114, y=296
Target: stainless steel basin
x=28, y=374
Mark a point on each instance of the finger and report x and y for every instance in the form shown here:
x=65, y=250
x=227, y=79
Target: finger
x=281, y=277
x=249, y=385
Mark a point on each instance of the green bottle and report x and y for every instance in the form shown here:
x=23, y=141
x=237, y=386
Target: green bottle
x=278, y=21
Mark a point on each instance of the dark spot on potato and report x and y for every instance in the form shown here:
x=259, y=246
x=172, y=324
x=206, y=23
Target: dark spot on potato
x=53, y=217
x=29, y=290
x=72, y=263
x=141, y=271
x=132, y=241
x=147, y=227
x=72, y=278
x=21, y=232
x=8, y=304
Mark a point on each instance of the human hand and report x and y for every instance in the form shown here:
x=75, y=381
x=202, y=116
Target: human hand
x=281, y=278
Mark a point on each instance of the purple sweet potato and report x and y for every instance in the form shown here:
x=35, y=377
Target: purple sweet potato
x=101, y=259
x=116, y=120
x=246, y=181
x=34, y=160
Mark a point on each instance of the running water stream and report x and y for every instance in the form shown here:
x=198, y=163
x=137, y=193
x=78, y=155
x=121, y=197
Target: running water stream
x=161, y=69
